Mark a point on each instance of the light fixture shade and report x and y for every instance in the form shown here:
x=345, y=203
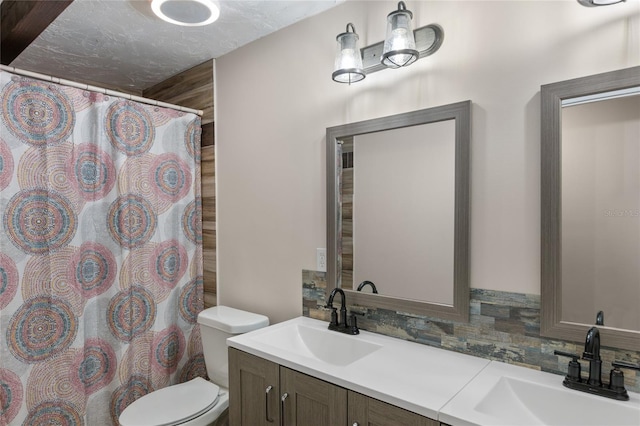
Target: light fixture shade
x=399, y=44
x=595, y=3
x=348, y=64
x=189, y=13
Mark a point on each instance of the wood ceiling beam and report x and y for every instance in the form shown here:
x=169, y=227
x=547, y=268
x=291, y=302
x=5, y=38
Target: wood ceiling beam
x=22, y=23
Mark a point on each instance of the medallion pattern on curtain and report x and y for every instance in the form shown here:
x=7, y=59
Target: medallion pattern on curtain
x=100, y=252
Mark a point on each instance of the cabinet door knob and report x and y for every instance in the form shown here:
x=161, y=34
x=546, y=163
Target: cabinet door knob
x=282, y=402
x=266, y=402
x=355, y=424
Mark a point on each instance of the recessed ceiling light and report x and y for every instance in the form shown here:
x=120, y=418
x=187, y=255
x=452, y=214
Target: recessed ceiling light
x=190, y=13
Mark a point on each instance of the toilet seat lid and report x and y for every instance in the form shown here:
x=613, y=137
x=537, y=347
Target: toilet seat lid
x=172, y=405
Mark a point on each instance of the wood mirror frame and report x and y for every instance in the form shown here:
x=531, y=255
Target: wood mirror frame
x=461, y=113
x=552, y=96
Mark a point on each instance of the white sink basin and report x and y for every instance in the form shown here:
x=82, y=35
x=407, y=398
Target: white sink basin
x=331, y=347
x=418, y=378
x=508, y=395
x=516, y=400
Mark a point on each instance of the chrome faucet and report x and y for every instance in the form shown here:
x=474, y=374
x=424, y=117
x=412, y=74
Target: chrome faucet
x=341, y=324
x=615, y=388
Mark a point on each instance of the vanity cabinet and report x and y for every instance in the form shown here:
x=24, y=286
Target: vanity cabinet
x=366, y=411
x=264, y=393
x=309, y=401
x=254, y=390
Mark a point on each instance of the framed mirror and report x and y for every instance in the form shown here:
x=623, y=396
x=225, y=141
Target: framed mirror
x=591, y=207
x=398, y=211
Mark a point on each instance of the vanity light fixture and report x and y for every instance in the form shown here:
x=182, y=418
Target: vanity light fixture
x=595, y=3
x=401, y=47
x=348, y=66
x=189, y=13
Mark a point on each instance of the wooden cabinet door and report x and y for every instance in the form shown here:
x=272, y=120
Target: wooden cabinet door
x=253, y=390
x=365, y=411
x=307, y=401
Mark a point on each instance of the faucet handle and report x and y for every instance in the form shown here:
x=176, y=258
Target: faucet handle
x=574, y=369
x=353, y=322
x=616, y=377
x=574, y=357
x=334, y=315
x=622, y=364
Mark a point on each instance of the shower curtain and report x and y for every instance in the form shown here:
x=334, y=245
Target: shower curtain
x=100, y=252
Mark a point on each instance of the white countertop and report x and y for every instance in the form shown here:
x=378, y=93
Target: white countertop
x=456, y=389
x=416, y=377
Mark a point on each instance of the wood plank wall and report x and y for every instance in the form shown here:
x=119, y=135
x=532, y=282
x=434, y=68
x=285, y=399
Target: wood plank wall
x=348, y=154
x=194, y=89
x=347, y=229
x=22, y=23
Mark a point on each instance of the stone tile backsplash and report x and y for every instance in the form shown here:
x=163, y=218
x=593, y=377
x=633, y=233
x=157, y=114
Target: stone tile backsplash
x=503, y=326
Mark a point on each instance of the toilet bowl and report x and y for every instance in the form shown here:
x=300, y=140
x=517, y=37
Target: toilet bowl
x=194, y=403
x=198, y=402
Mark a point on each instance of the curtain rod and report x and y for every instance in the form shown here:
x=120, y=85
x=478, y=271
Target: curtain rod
x=98, y=89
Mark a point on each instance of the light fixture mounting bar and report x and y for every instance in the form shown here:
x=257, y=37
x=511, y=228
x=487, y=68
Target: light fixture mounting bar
x=428, y=40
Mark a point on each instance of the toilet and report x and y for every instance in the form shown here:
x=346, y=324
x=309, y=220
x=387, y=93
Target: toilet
x=198, y=402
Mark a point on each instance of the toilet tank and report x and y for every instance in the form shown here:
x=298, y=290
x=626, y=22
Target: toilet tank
x=216, y=325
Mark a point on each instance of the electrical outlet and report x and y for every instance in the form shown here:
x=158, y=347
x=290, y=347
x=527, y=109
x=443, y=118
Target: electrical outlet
x=321, y=259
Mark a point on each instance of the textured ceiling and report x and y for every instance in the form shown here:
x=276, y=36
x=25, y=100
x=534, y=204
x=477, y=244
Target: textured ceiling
x=120, y=43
